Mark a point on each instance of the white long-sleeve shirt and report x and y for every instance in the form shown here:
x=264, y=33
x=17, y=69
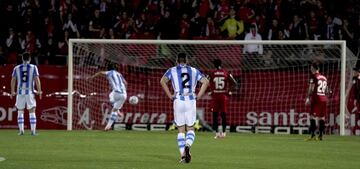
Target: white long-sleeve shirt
x=253, y=48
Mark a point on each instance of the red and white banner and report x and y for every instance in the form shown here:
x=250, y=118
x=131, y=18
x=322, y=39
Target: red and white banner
x=256, y=105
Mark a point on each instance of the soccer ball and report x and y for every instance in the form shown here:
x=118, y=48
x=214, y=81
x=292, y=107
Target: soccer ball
x=133, y=100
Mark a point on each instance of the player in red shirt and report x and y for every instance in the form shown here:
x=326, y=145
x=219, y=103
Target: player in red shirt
x=356, y=89
x=317, y=100
x=219, y=85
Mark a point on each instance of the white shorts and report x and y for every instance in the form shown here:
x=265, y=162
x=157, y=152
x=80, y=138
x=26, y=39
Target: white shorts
x=28, y=99
x=117, y=99
x=184, y=112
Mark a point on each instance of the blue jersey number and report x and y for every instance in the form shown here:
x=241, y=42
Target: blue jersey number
x=185, y=79
x=24, y=77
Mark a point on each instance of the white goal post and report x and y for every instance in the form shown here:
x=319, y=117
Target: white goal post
x=341, y=44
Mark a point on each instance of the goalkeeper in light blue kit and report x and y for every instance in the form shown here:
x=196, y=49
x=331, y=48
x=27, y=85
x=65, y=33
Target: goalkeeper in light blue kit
x=118, y=94
x=184, y=79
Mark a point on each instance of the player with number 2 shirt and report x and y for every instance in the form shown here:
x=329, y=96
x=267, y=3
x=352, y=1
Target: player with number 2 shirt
x=184, y=79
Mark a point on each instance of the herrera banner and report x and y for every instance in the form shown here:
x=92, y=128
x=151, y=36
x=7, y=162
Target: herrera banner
x=263, y=103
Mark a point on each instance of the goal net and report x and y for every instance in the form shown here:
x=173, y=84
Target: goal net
x=270, y=96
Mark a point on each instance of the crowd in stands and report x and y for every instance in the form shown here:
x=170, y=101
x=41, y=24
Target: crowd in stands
x=43, y=27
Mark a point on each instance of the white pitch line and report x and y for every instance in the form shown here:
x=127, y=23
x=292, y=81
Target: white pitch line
x=2, y=159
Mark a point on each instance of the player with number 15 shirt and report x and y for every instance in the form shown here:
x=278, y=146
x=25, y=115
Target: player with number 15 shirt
x=219, y=89
x=219, y=85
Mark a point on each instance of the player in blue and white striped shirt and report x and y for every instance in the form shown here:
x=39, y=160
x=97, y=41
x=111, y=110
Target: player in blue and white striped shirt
x=25, y=75
x=184, y=79
x=118, y=94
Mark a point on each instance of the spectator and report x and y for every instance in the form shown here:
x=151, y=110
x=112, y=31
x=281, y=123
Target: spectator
x=314, y=26
x=31, y=43
x=28, y=20
x=95, y=25
x=205, y=20
x=13, y=44
x=288, y=8
x=85, y=15
x=122, y=24
x=203, y=6
x=338, y=24
x=10, y=18
x=184, y=27
x=49, y=51
x=132, y=31
x=328, y=32
x=283, y=34
x=96, y=2
x=357, y=37
x=111, y=34
x=104, y=6
x=162, y=8
x=233, y=27
x=145, y=26
x=152, y=20
x=67, y=6
x=222, y=12
x=167, y=27
x=63, y=44
x=210, y=29
x=273, y=10
x=298, y=29
x=71, y=27
x=347, y=34
x=253, y=48
x=196, y=26
x=140, y=22
x=268, y=60
x=24, y=5
x=246, y=14
x=273, y=33
x=106, y=14
x=2, y=56
x=152, y=6
x=135, y=5
x=50, y=24
x=260, y=23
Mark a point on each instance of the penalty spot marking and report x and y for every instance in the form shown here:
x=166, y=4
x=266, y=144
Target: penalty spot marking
x=2, y=159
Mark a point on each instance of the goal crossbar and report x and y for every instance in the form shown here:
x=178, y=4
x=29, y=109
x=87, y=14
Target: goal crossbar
x=207, y=42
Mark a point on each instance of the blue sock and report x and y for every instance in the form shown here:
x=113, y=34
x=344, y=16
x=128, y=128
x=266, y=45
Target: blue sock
x=190, y=137
x=20, y=119
x=32, y=118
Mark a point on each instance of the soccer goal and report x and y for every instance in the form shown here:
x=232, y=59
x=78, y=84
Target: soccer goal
x=270, y=96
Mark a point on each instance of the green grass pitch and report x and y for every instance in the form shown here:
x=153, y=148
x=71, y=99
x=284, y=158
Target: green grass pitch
x=145, y=150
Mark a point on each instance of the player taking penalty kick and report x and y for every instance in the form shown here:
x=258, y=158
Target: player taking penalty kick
x=317, y=99
x=184, y=79
x=118, y=94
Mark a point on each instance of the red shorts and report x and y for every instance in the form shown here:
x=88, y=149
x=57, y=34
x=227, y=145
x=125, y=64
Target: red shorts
x=318, y=109
x=219, y=103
